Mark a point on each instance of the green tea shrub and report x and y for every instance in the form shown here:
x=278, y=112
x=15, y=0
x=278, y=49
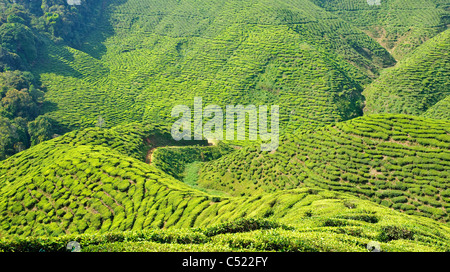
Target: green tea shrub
x=389, y=233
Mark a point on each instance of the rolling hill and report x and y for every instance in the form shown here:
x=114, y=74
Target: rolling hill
x=398, y=161
x=439, y=110
x=85, y=117
x=416, y=83
x=146, y=56
x=400, y=26
x=59, y=191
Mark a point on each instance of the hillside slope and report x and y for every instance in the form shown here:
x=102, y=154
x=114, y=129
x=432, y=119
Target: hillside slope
x=398, y=161
x=147, y=56
x=416, y=83
x=440, y=110
x=400, y=26
x=57, y=189
x=118, y=181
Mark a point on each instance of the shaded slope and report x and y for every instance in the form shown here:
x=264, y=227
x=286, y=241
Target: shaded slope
x=398, y=25
x=414, y=84
x=173, y=160
x=396, y=160
x=131, y=140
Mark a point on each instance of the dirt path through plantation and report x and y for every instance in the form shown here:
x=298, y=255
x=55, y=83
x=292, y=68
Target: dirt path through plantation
x=149, y=156
x=155, y=145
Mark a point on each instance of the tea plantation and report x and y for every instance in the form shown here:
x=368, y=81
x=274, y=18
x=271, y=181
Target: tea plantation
x=400, y=26
x=146, y=56
x=416, y=83
x=439, y=110
x=86, y=93
x=397, y=161
x=71, y=190
x=97, y=191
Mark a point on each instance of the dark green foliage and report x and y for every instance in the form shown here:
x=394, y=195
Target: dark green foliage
x=24, y=29
x=389, y=233
x=242, y=225
x=54, y=17
x=13, y=136
x=19, y=104
x=368, y=217
x=400, y=26
x=40, y=130
x=19, y=39
x=9, y=61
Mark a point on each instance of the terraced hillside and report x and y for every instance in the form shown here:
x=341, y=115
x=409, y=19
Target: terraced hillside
x=174, y=159
x=439, y=110
x=398, y=161
x=116, y=180
x=400, y=26
x=416, y=83
x=59, y=191
x=148, y=55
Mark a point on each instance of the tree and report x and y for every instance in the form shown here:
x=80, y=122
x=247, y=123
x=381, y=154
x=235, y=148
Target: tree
x=40, y=130
x=36, y=94
x=18, y=38
x=19, y=104
x=100, y=122
x=15, y=80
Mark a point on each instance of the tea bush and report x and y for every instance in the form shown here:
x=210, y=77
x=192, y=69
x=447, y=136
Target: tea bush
x=402, y=173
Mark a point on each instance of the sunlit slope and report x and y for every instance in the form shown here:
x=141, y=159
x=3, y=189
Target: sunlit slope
x=139, y=198
x=399, y=25
x=400, y=161
x=59, y=178
x=416, y=83
x=65, y=186
x=323, y=222
x=147, y=56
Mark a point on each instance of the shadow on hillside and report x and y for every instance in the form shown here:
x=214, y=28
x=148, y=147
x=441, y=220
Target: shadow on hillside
x=58, y=128
x=55, y=57
x=94, y=42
